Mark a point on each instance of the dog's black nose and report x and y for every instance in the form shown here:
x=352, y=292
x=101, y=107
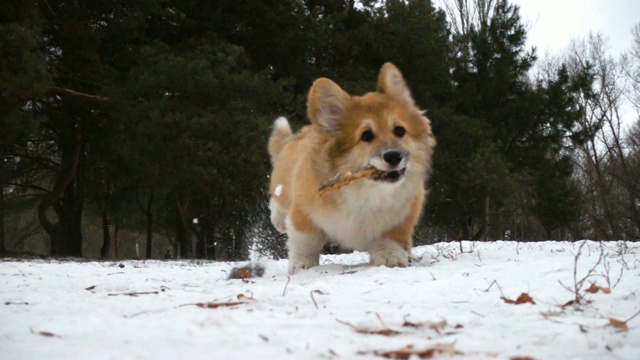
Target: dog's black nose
x=392, y=157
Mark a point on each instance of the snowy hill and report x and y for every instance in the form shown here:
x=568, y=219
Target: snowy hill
x=478, y=304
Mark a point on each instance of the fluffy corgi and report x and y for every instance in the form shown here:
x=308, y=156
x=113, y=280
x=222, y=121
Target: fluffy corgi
x=382, y=129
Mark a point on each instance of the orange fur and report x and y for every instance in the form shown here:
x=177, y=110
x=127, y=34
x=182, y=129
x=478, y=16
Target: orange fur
x=377, y=215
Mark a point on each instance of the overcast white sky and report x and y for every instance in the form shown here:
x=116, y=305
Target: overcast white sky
x=554, y=22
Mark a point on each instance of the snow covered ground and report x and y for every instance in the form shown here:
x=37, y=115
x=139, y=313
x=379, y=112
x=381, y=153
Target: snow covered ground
x=446, y=304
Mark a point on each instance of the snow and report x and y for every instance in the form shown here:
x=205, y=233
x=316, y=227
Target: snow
x=146, y=309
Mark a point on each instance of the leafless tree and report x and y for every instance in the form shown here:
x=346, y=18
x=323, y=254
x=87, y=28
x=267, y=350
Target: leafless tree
x=608, y=172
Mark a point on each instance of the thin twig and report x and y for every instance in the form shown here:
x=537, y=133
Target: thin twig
x=632, y=316
x=284, y=292
x=498, y=285
x=313, y=299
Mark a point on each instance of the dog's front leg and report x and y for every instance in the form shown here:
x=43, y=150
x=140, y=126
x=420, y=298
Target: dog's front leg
x=388, y=252
x=305, y=241
x=394, y=246
x=304, y=249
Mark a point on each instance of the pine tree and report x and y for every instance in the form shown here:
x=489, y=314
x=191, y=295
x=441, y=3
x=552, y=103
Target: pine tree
x=501, y=127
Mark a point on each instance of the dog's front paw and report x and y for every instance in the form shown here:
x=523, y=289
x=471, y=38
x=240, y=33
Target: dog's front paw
x=305, y=262
x=388, y=253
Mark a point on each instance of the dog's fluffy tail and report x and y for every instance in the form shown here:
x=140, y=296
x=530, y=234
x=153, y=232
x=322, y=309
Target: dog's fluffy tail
x=279, y=137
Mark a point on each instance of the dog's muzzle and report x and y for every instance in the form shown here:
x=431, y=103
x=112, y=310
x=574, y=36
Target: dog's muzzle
x=392, y=163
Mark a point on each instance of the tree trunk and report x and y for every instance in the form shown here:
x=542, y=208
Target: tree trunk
x=149, y=226
x=183, y=233
x=2, y=210
x=2, y=213
x=106, y=238
x=484, y=227
x=146, y=210
x=116, y=250
x=66, y=199
x=71, y=226
x=203, y=233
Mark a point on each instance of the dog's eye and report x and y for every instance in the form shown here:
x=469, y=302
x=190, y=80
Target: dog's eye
x=399, y=131
x=367, y=136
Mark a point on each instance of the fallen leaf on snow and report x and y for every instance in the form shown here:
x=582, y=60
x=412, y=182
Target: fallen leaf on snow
x=409, y=352
x=386, y=331
x=242, y=299
x=522, y=358
x=247, y=271
x=595, y=288
x=620, y=325
x=522, y=299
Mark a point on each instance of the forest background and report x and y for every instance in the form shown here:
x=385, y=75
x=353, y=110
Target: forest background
x=139, y=128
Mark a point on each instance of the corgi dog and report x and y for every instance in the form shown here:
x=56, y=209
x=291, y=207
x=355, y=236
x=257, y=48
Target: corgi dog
x=382, y=130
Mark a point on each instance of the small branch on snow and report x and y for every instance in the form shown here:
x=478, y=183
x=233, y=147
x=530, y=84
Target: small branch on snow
x=313, y=299
x=135, y=293
x=284, y=292
x=498, y=285
x=632, y=316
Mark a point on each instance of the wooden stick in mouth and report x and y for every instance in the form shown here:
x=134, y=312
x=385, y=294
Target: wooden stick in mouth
x=342, y=180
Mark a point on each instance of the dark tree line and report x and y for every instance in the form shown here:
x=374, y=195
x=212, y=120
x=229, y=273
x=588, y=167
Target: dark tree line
x=152, y=116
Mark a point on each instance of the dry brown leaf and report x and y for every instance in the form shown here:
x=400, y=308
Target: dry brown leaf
x=620, y=325
x=409, y=351
x=522, y=299
x=342, y=180
x=247, y=271
x=595, y=288
x=386, y=331
x=522, y=358
x=567, y=304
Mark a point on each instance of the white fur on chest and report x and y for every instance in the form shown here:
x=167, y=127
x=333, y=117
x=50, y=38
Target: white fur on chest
x=365, y=214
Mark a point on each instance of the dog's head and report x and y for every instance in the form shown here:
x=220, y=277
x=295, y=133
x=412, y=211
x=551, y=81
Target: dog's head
x=383, y=129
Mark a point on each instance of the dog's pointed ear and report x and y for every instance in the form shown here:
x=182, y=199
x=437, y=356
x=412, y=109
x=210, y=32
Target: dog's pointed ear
x=391, y=82
x=326, y=104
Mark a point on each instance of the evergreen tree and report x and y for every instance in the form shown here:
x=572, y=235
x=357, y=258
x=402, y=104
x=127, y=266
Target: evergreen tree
x=513, y=125
x=23, y=77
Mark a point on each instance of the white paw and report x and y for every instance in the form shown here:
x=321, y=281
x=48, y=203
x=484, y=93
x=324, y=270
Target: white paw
x=304, y=249
x=388, y=253
x=300, y=263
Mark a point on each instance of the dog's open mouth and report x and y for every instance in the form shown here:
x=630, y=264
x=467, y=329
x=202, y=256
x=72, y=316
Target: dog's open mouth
x=389, y=176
